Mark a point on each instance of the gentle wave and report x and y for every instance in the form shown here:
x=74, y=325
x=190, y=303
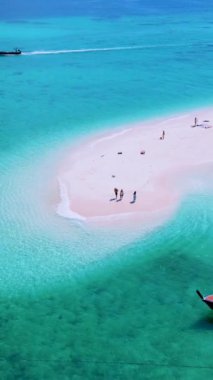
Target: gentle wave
x=93, y=50
x=63, y=208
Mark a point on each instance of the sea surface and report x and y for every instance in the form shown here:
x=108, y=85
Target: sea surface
x=91, y=303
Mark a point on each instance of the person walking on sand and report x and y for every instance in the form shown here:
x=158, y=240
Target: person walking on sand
x=121, y=194
x=116, y=192
x=134, y=197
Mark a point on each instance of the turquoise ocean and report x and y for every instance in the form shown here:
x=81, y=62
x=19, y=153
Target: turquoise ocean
x=84, y=303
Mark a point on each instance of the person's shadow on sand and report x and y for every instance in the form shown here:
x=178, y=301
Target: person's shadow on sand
x=113, y=199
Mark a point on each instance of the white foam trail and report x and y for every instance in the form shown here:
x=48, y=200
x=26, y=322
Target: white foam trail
x=67, y=51
x=63, y=208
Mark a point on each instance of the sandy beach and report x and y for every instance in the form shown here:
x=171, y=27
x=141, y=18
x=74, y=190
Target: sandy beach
x=136, y=158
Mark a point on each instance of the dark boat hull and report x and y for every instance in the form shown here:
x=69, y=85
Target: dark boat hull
x=208, y=299
x=209, y=303
x=10, y=52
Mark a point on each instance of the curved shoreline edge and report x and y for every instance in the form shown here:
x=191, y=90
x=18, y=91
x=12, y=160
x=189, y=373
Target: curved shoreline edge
x=63, y=208
x=90, y=172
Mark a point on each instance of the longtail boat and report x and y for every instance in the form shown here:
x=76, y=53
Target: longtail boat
x=207, y=299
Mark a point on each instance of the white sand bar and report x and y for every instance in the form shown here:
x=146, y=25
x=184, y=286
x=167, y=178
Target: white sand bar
x=90, y=172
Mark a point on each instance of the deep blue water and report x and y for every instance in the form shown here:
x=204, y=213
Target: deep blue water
x=97, y=8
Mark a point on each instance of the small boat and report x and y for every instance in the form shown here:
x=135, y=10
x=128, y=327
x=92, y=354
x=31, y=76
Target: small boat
x=14, y=52
x=208, y=299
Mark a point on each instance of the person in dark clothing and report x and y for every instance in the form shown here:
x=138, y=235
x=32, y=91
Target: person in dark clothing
x=116, y=192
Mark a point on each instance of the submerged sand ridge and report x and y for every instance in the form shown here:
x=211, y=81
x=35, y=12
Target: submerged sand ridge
x=136, y=158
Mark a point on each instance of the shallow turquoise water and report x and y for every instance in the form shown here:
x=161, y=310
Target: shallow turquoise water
x=75, y=302
x=136, y=314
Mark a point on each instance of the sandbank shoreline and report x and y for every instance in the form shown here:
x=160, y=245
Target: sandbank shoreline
x=90, y=172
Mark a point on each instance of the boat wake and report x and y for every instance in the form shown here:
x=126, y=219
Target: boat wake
x=93, y=50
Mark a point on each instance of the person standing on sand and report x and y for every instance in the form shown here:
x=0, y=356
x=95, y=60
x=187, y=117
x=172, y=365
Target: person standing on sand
x=195, y=124
x=121, y=194
x=134, y=196
x=116, y=192
x=163, y=135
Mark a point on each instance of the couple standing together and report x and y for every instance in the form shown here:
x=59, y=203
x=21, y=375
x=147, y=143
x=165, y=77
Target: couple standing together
x=116, y=193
